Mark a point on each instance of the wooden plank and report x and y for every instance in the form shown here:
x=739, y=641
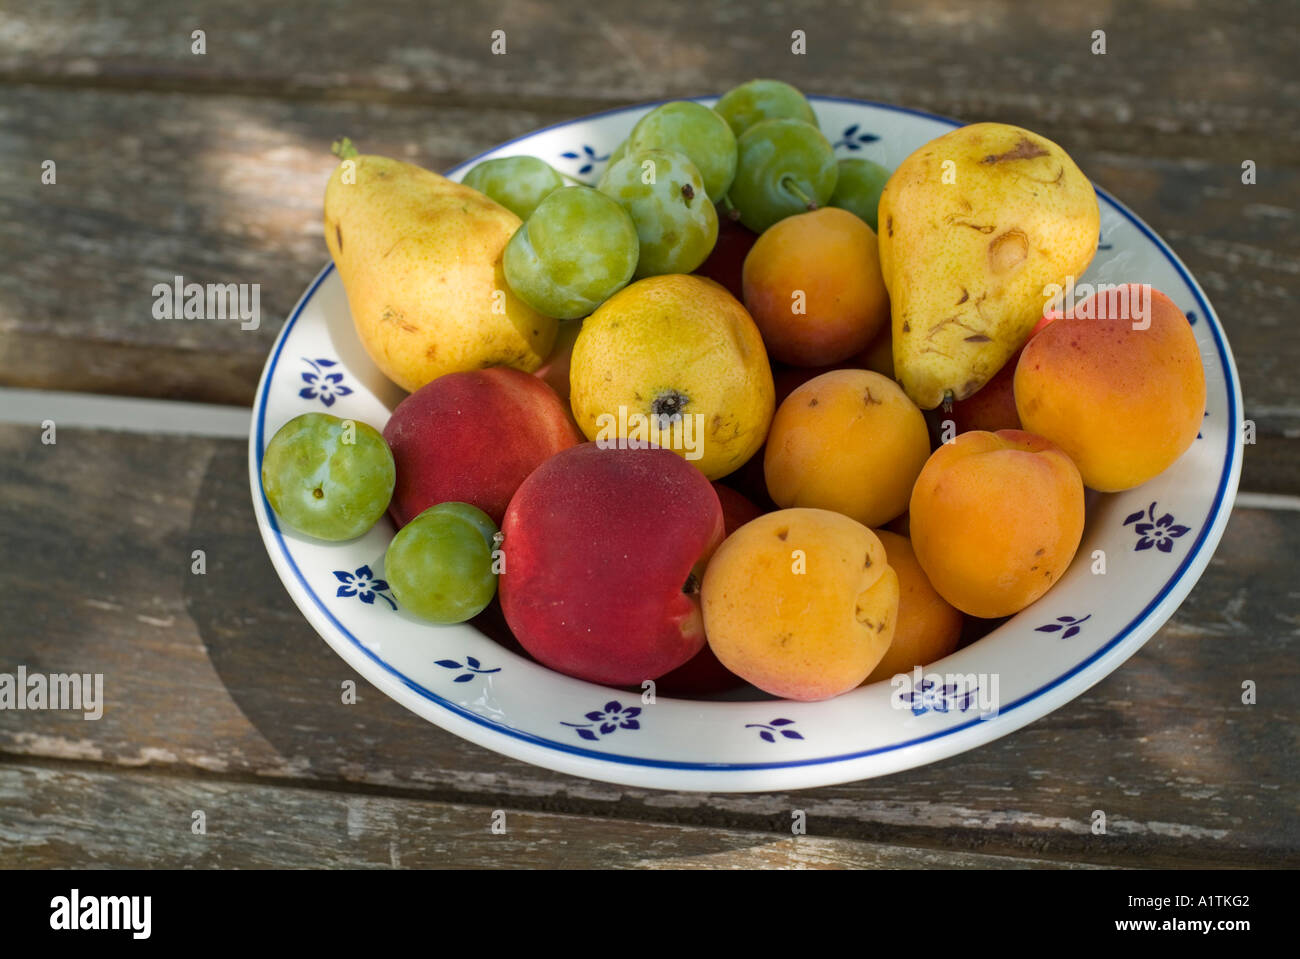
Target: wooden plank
x=1212, y=77
x=219, y=673
x=150, y=187
x=56, y=816
x=228, y=189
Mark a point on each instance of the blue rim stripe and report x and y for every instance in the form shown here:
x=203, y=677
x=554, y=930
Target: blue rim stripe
x=1234, y=447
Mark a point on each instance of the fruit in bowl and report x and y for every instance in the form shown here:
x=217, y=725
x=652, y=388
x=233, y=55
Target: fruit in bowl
x=620, y=576
x=604, y=552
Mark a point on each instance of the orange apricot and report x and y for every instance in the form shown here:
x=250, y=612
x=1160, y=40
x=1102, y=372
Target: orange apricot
x=929, y=627
x=995, y=519
x=849, y=441
x=813, y=284
x=1117, y=383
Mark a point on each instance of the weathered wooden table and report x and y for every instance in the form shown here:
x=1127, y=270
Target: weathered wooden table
x=220, y=696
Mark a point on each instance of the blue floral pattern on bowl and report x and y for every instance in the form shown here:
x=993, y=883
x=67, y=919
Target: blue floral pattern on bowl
x=948, y=697
x=614, y=716
x=853, y=138
x=1067, y=623
x=1159, y=533
x=326, y=387
x=364, y=585
x=770, y=729
x=588, y=156
x=474, y=667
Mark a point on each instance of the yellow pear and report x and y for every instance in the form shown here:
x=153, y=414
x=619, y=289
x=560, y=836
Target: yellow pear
x=977, y=228
x=420, y=259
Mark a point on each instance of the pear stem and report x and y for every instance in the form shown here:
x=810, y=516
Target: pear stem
x=788, y=182
x=344, y=149
x=728, y=207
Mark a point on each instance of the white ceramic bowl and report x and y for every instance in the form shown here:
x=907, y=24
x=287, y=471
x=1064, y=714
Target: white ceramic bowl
x=1157, y=540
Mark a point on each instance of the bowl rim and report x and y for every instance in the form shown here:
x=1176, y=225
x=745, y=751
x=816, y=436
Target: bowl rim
x=1010, y=716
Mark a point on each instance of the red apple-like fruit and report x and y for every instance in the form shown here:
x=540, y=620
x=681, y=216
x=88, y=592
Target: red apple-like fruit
x=604, y=553
x=473, y=437
x=993, y=406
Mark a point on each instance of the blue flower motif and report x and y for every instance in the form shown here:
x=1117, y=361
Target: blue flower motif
x=471, y=664
x=1159, y=533
x=364, y=585
x=326, y=387
x=613, y=716
x=1067, y=623
x=769, y=730
x=852, y=138
x=589, y=159
x=948, y=697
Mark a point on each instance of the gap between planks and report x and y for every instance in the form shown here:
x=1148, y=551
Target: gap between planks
x=128, y=414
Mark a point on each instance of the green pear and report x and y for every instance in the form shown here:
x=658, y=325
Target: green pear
x=978, y=229
x=420, y=260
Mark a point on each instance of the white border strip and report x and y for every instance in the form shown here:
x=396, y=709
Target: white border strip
x=128, y=414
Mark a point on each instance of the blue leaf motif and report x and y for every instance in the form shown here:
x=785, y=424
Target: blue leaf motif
x=767, y=737
x=790, y=734
x=1133, y=517
x=463, y=678
x=570, y=155
x=586, y=734
x=327, y=362
x=1049, y=628
x=1072, y=631
x=850, y=131
x=471, y=662
x=448, y=664
x=782, y=722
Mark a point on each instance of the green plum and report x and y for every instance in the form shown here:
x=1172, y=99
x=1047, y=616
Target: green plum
x=577, y=249
x=690, y=128
x=858, y=187
x=328, y=477
x=664, y=194
x=439, y=565
x=785, y=167
x=760, y=100
x=517, y=183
